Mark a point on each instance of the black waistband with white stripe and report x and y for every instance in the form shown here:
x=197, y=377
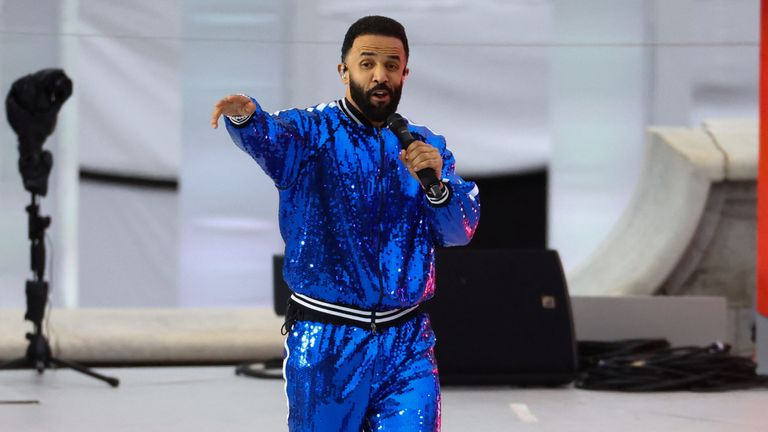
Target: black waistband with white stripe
x=309, y=309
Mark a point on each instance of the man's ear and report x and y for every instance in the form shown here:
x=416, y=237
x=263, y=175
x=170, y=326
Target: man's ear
x=406, y=71
x=343, y=72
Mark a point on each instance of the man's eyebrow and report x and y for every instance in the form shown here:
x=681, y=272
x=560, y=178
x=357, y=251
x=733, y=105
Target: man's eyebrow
x=373, y=54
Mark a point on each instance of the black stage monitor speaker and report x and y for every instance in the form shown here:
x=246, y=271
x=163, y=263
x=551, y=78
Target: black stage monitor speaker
x=501, y=316
x=280, y=289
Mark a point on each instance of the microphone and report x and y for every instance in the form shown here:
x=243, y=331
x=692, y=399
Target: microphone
x=427, y=176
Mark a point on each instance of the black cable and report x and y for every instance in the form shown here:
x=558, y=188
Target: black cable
x=47, y=330
x=269, y=369
x=591, y=352
x=625, y=366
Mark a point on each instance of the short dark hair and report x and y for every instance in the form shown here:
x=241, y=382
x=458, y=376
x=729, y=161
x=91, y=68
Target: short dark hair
x=373, y=25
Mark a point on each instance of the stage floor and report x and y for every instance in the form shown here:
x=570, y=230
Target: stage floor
x=192, y=399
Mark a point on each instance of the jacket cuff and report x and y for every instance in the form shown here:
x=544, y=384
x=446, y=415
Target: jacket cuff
x=443, y=200
x=239, y=121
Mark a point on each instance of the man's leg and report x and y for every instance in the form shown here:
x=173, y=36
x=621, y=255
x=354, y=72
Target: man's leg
x=328, y=369
x=406, y=388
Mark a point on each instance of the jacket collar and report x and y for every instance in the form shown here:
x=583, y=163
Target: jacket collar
x=353, y=113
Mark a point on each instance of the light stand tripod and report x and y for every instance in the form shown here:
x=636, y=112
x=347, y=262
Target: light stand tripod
x=31, y=107
x=38, y=355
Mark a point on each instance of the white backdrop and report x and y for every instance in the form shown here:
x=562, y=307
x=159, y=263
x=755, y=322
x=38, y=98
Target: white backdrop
x=514, y=85
x=619, y=66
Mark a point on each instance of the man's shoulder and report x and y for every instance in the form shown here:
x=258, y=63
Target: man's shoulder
x=325, y=107
x=319, y=109
x=423, y=131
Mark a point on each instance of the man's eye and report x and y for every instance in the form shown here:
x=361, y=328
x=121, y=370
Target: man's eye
x=393, y=67
x=365, y=65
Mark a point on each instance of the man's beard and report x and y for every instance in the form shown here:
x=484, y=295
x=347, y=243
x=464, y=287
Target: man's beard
x=375, y=112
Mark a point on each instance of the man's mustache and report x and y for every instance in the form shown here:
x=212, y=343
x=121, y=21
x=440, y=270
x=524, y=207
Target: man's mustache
x=379, y=87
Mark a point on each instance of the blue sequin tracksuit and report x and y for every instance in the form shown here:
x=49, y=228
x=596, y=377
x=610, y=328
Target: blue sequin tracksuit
x=359, y=232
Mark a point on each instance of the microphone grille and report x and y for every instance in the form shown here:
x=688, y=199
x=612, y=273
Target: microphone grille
x=396, y=121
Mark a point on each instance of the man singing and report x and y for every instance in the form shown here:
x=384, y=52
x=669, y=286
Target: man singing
x=360, y=233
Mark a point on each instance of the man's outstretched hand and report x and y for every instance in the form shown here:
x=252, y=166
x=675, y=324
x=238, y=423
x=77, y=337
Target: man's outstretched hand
x=232, y=105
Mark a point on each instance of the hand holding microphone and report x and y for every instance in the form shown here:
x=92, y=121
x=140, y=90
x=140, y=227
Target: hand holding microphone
x=423, y=161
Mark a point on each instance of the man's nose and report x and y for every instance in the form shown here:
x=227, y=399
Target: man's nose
x=380, y=75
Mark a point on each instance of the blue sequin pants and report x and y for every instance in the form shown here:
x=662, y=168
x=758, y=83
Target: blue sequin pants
x=346, y=378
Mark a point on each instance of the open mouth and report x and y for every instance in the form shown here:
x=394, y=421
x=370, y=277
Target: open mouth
x=380, y=95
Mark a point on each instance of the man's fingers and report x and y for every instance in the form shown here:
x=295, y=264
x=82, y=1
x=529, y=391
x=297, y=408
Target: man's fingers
x=418, y=148
x=418, y=158
x=239, y=105
x=430, y=163
x=421, y=163
x=249, y=107
x=218, y=108
x=215, y=116
x=407, y=164
x=242, y=104
x=233, y=98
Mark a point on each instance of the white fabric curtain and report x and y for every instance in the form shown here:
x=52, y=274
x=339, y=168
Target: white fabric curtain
x=513, y=85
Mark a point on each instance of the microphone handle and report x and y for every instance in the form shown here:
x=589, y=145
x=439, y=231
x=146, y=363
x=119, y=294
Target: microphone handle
x=427, y=176
x=428, y=179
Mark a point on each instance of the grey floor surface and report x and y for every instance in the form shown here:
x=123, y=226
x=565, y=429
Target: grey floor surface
x=196, y=399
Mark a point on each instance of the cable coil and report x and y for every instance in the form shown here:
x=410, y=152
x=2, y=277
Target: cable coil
x=644, y=365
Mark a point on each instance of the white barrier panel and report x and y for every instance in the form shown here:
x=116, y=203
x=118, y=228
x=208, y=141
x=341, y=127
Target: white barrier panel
x=652, y=237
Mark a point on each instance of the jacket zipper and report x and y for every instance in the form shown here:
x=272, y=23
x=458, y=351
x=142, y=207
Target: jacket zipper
x=379, y=237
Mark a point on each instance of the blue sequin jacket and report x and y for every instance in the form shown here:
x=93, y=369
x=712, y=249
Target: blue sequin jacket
x=358, y=229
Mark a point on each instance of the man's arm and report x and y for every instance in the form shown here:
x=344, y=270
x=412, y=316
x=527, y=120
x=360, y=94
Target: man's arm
x=277, y=143
x=455, y=213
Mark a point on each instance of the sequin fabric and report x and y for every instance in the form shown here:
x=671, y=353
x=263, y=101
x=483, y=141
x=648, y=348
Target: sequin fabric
x=344, y=378
x=358, y=228
x=358, y=231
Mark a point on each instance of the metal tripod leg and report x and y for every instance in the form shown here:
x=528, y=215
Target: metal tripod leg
x=13, y=364
x=114, y=382
x=39, y=357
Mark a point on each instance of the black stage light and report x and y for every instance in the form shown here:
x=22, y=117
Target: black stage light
x=32, y=106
